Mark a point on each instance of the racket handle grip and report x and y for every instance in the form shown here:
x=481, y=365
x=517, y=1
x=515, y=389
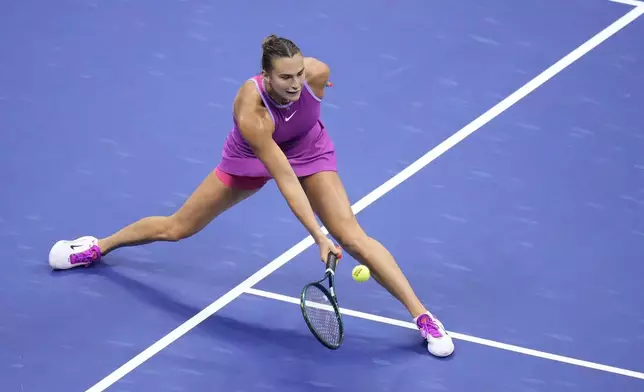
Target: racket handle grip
x=331, y=261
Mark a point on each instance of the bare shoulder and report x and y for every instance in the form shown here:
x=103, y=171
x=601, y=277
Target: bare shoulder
x=316, y=69
x=247, y=98
x=252, y=117
x=317, y=75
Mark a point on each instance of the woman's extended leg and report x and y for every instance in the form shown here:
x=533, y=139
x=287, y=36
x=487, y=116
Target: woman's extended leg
x=330, y=202
x=208, y=201
x=211, y=198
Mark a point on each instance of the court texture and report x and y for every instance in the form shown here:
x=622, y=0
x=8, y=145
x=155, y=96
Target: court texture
x=495, y=147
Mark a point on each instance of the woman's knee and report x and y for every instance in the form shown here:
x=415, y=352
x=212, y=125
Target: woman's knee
x=175, y=229
x=354, y=241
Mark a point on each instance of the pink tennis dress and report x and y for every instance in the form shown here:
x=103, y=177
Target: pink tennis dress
x=298, y=131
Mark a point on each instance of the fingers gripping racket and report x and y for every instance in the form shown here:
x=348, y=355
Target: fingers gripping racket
x=320, y=308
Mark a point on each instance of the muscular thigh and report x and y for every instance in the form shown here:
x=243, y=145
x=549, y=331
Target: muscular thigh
x=211, y=198
x=329, y=199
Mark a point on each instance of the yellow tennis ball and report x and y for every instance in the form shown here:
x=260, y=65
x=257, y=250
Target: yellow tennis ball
x=360, y=273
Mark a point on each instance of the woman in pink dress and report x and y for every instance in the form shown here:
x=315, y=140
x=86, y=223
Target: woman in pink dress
x=277, y=135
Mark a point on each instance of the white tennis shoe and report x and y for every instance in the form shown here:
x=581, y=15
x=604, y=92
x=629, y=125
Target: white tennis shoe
x=439, y=343
x=82, y=251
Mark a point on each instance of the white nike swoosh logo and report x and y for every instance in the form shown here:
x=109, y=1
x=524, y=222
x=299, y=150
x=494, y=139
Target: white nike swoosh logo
x=289, y=117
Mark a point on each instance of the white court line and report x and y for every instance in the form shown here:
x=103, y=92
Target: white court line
x=634, y=3
x=371, y=197
x=459, y=336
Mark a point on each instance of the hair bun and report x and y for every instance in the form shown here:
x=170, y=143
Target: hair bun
x=274, y=47
x=269, y=39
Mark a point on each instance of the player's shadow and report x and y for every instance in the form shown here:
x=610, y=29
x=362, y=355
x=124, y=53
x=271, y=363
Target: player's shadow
x=260, y=333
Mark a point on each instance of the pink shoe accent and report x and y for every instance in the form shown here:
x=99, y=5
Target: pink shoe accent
x=88, y=256
x=428, y=326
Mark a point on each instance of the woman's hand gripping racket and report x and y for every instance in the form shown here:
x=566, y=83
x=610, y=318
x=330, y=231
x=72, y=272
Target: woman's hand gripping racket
x=321, y=310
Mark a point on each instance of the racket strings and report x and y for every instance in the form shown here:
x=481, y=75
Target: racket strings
x=322, y=316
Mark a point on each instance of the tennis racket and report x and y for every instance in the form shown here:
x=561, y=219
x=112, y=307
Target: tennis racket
x=321, y=310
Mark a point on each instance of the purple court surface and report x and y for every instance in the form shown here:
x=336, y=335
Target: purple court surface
x=496, y=148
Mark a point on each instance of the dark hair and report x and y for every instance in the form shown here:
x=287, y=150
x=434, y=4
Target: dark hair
x=274, y=47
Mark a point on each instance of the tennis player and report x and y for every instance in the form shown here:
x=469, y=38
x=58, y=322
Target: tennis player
x=277, y=134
